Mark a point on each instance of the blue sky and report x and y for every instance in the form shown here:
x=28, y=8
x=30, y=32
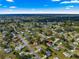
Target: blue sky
x=39, y=6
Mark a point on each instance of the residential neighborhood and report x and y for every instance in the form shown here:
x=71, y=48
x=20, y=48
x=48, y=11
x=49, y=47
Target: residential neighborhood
x=39, y=40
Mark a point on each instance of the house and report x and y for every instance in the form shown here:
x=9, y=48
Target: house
x=19, y=47
x=48, y=53
x=55, y=58
x=56, y=48
x=49, y=43
x=66, y=54
x=8, y=50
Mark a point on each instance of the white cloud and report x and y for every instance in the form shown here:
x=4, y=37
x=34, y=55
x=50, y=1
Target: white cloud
x=4, y=6
x=72, y=1
x=26, y=12
x=10, y=0
x=9, y=11
x=69, y=7
x=55, y=0
x=12, y=7
x=33, y=9
x=0, y=4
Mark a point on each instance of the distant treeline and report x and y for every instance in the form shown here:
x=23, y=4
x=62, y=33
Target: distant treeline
x=37, y=18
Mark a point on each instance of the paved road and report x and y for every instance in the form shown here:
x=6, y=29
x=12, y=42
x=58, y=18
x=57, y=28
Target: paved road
x=27, y=45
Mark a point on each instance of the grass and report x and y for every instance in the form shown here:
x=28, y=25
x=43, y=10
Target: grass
x=3, y=55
